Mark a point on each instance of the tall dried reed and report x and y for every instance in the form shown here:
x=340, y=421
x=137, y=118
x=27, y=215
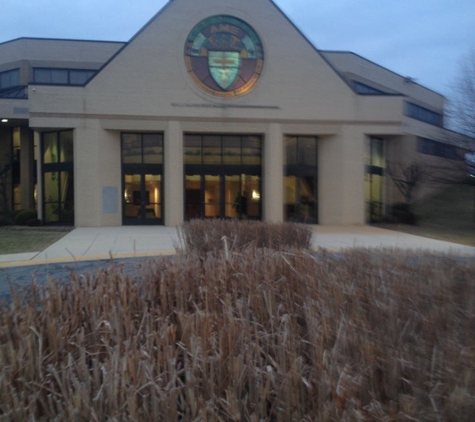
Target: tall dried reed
x=254, y=335
x=203, y=236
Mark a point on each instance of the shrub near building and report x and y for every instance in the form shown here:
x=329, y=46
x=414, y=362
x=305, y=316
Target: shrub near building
x=259, y=334
x=27, y=218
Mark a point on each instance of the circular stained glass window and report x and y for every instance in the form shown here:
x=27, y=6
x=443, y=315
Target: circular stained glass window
x=224, y=56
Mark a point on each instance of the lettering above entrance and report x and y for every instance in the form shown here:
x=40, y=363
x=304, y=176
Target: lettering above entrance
x=224, y=56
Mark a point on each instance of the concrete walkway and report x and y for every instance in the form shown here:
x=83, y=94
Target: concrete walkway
x=94, y=243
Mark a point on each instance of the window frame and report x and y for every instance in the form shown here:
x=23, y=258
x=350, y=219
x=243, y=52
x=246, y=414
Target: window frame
x=68, y=72
x=424, y=114
x=8, y=74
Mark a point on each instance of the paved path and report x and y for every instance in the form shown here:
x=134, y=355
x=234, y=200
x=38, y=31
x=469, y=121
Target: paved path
x=346, y=237
x=96, y=243
x=85, y=249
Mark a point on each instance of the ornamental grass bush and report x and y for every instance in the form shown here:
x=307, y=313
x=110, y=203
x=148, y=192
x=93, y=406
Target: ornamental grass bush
x=255, y=335
x=203, y=236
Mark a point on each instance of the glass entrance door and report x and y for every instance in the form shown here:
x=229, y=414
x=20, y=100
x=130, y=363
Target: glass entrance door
x=142, y=198
x=222, y=196
x=300, y=196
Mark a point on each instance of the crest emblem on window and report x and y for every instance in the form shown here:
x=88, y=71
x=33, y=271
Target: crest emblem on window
x=224, y=56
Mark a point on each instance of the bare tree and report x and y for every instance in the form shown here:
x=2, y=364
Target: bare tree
x=462, y=106
x=407, y=177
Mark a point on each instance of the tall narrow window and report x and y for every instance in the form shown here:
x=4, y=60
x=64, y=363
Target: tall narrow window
x=9, y=78
x=16, y=175
x=301, y=179
x=374, y=180
x=142, y=176
x=58, y=177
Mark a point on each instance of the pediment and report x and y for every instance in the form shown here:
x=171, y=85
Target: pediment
x=222, y=55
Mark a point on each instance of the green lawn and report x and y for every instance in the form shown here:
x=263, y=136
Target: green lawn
x=29, y=239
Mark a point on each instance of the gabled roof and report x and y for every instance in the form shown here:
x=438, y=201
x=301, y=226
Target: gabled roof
x=279, y=10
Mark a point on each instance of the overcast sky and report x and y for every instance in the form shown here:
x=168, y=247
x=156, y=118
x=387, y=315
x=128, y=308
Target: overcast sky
x=422, y=39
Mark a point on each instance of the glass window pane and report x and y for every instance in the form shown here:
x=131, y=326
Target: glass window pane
x=233, y=199
x=377, y=152
x=132, y=195
x=66, y=192
x=131, y=148
x=251, y=193
x=66, y=186
x=79, y=77
x=192, y=197
x=51, y=180
x=50, y=148
x=59, y=76
x=290, y=198
x=212, y=196
x=251, y=150
x=9, y=78
x=51, y=213
x=307, y=201
x=231, y=149
x=290, y=145
x=153, y=148
x=153, y=195
x=66, y=146
x=192, y=149
x=211, y=149
x=42, y=76
x=307, y=151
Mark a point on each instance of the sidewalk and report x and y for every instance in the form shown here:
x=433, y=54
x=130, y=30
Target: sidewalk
x=94, y=243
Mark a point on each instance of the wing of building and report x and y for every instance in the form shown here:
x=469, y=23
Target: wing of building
x=215, y=109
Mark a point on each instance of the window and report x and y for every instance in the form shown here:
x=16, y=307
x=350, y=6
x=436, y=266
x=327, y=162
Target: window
x=142, y=148
x=58, y=177
x=364, y=89
x=9, y=79
x=222, y=149
x=18, y=93
x=301, y=179
x=62, y=76
x=222, y=176
x=439, y=149
x=142, y=178
x=424, y=115
x=374, y=179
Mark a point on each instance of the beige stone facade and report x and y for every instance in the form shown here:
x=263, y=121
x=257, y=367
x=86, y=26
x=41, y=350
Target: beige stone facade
x=337, y=100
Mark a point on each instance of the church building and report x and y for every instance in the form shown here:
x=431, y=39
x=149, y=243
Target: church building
x=214, y=109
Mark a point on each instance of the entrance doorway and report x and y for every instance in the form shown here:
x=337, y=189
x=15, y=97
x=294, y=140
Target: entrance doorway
x=142, y=178
x=222, y=196
x=142, y=198
x=222, y=176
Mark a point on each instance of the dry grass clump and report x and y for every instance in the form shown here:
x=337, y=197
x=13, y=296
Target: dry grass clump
x=259, y=335
x=203, y=236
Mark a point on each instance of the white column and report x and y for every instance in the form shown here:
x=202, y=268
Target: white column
x=272, y=174
x=173, y=175
x=341, y=178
